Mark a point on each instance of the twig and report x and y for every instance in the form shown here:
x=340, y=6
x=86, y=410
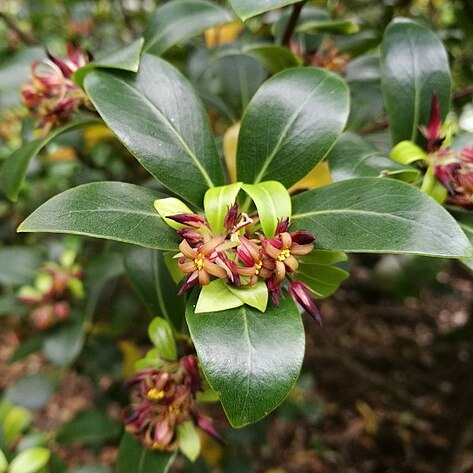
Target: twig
x=25, y=37
x=292, y=23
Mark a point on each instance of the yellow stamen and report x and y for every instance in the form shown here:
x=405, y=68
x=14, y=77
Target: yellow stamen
x=199, y=261
x=258, y=267
x=155, y=395
x=174, y=410
x=284, y=255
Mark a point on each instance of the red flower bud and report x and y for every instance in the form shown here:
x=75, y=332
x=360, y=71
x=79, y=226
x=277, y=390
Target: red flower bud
x=231, y=219
x=207, y=426
x=191, y=236
x=301, y=295
x=283, y=226
x=191, y=220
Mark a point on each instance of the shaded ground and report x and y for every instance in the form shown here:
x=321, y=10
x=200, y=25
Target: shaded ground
x=394, y=386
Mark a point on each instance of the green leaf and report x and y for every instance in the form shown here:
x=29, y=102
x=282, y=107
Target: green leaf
x=275, y=58
x=150, y=278
x=323, y=280
x=407, y=152
x=171, y=206
x=111, y=210
x=352, y=156
x=414, y=63
x=32, y=392
x=371, y=215
x=215, y=297
x=160, y=333
x=165, y=127
x=329, y=26
x=433, y=187
x=217, y=202
x=133, y=457
x=16, y=421
x=255, y=296
x=3, y=463
x=15, y=69
x=251, y=359
x=324, y=257
x=189, y=440
x=290, y=125
x=127, y=58
x=93, y=426
x=30, y=461
x=273, y=203
x=249, y=8
x=15, y=166
x=179, y=20
x=18, y=265
x=465, y=220
x=65, y=343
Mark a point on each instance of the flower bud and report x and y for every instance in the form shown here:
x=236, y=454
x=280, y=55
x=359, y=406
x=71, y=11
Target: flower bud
x=231, y=219
x=191, y=220
x=300, y=294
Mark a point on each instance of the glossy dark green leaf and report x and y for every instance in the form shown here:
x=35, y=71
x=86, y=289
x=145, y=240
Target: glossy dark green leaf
x=249, y=8
x=126, y=58
x=165, y=127
x=133, y=457
x=111, y=210
x=93, y=426
x=414, y=63
x=64, y=344
x=18, y=265
x=15, y=166
x=371, y=215
x=290, y=125
x=275, y=58
x=151, y=280
x=251, y=359
x=352, y=156
x=179, y=20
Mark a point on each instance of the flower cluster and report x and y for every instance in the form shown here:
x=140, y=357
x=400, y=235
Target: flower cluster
x=454, y=169
x=163, y=399
x=55, y=288
x=244, y=258
x=52, y=96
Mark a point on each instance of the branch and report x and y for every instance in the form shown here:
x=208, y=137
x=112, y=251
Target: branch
x=292, y=23
x=25, y=37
